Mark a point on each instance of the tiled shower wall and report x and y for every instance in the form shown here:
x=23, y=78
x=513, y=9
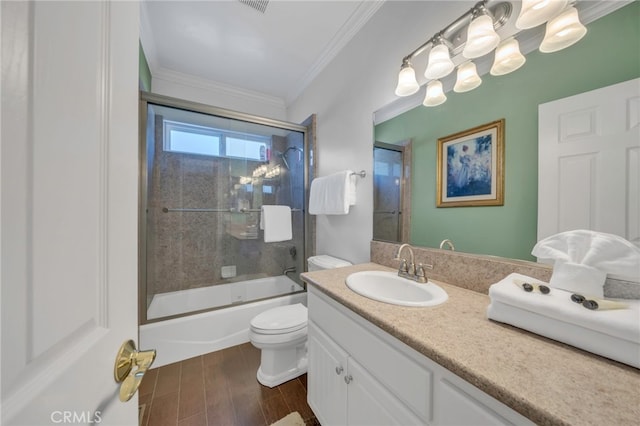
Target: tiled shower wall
x=188, y=249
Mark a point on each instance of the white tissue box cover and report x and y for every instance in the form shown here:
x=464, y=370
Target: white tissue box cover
x=614, y=334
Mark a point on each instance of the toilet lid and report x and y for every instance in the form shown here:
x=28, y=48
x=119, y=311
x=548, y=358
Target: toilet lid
x=283, y=319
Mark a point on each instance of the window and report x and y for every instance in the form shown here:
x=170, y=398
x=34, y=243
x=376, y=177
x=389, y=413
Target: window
x=188, y=138
x=193, y=139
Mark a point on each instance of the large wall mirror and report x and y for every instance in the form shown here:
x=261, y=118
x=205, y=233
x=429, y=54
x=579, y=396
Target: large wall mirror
x=509, y=230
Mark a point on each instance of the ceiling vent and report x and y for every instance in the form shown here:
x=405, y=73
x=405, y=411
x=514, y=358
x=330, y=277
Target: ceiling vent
x=259, y=5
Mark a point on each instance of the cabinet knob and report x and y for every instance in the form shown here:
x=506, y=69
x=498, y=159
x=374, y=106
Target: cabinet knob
x=339, y=370
x=347, y=379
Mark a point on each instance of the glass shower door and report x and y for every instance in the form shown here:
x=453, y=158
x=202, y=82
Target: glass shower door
x=387, y=200
x=207, y=177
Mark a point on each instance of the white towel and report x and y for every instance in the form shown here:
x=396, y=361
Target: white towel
x=557, y=305
x=613, y=334
x=333, y=194
x=276, y=223
x=583, y=259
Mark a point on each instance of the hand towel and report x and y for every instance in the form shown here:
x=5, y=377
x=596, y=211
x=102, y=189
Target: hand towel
x=353, y=178
x=276, y=223
x=332, y=194
x=583, y=259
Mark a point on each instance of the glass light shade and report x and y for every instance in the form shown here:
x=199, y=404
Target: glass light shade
x=440, y=64
x=563, y=31
x=536, y=12
x=508, y=57
x=468, y=78
x=435, y=95
x=481, y=37
x=407, y=83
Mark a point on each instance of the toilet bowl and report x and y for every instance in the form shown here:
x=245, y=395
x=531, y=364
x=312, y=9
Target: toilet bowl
x=281, y=334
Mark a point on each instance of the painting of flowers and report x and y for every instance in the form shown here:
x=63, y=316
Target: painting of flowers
x=470, y=167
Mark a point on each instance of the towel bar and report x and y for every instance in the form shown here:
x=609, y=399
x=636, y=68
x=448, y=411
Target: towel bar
x=361, y=173
x=231, y=210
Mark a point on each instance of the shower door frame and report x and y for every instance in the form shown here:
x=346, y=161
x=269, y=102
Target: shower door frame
x=147, y=98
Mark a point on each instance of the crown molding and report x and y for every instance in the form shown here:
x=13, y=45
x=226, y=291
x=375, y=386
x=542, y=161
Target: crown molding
x=349, y=29
x=213, y=86
x=529, y=41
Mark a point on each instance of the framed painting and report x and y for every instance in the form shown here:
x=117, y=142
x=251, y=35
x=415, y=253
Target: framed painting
x=471, y=167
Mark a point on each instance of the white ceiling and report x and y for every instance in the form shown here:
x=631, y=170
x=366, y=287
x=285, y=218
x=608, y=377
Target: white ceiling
x=276, y=53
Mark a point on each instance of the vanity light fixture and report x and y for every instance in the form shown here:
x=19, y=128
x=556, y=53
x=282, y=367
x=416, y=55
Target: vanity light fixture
x=468, y=78
x=508, y=57
x=481, y=36
x=474, y=35
x=407, y=83
x=536, y=12
x=435, y=95
x=440, y=63
x=563, y=31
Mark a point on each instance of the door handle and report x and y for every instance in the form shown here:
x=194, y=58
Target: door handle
x=123, y=372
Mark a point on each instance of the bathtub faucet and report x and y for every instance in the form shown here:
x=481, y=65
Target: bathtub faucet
x=289, y=270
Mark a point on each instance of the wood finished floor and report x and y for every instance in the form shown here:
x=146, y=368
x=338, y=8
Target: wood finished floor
x=219, y=388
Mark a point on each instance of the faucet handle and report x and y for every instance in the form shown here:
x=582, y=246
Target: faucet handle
x=403, y=270
x=420, y=275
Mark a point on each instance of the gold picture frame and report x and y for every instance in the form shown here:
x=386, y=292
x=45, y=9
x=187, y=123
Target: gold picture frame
x=470, y=169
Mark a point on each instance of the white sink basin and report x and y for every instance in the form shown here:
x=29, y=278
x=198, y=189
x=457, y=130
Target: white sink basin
x=388, y=287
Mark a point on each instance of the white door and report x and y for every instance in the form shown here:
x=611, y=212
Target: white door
x=589, y=162
x=69, y=209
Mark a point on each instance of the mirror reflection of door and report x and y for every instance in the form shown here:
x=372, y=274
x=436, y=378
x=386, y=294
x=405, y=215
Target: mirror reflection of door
x=388, y=186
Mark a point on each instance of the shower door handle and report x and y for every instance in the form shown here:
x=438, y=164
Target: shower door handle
x=128, y=357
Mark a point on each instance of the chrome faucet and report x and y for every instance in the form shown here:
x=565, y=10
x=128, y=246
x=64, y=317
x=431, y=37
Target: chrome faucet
x=289, y=270
x=448, y=243
x=409, y=269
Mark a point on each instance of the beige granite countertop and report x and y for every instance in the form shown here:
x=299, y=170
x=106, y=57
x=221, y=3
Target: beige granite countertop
x=544, y=380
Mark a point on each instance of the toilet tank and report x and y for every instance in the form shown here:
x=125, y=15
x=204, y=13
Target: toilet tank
x=323, y=261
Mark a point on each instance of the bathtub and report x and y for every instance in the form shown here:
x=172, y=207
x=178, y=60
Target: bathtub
x=192, y=335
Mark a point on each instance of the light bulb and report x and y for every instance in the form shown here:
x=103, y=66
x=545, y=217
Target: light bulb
x=440, y=64
x=407, y=83
x=435, y=95
x=508, y=57
x=563, y=31
x=536, y=12
x=481, y=37
x=468, y=78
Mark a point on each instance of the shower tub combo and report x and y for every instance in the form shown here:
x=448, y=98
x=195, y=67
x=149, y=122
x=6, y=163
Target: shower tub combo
x=205, y=175
x=188, y=336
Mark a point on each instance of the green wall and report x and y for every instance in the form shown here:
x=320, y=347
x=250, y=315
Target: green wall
x=608, y=54
x=144, y=73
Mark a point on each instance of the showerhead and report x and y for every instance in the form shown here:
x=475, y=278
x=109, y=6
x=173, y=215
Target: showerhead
x=283, y=154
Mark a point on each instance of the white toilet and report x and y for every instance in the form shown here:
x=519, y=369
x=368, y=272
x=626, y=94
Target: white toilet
x=281, y=334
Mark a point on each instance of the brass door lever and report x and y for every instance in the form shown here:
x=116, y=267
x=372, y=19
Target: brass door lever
x=128, y=357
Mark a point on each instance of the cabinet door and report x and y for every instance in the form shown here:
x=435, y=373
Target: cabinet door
x=460, y=404
x=371, y=404
x=326, y=388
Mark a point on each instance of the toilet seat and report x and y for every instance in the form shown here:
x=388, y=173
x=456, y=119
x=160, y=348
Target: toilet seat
x=280, y=320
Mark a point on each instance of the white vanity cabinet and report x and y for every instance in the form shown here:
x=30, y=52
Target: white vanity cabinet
x=342, y=392
x=360, y=375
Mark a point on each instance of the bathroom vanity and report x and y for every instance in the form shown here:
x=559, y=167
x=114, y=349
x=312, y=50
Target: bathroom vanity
x=377, y=363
